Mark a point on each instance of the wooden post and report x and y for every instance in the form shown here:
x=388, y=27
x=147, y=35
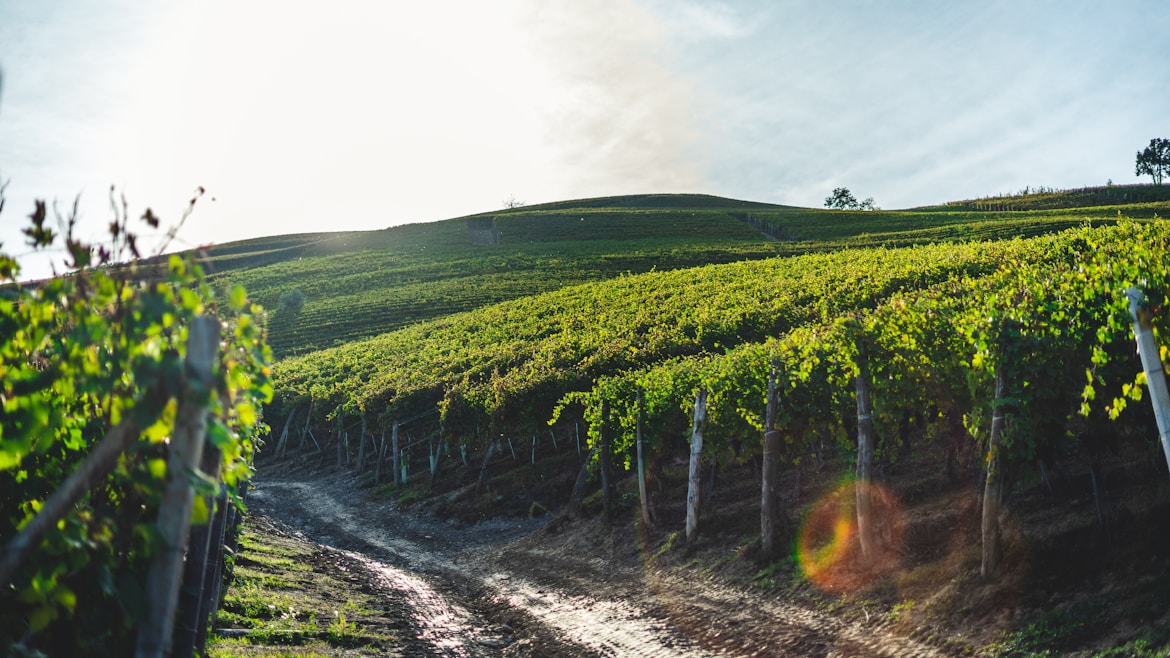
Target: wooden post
x=395, y=453
x=993, y=487
x=1152, y=366
x=213, y=574
x=381, y=456
x=865, y=444
x=362, y=446
x=483, y=469
x=340, y=424
x=305, y=429
x=693, y=482
x=577, y=497
x=282, y=444
x=199, y=554
x=642, y=496
x=185, y=452
x=434, y=455
x=605, y=457
x=770, y=513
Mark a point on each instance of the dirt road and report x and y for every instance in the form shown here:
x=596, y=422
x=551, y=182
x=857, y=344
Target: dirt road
x=495, y=588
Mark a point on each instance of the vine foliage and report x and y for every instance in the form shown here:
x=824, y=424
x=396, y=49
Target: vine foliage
x=98, y=348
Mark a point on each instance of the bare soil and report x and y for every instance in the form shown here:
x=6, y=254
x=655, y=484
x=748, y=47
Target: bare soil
x=497, y=572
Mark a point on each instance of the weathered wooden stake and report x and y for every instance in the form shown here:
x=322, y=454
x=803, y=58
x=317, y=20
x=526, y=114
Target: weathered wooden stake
x=396, y=454
x=865, y=445
x=993, y=487
x=1152, y=366
x=770, y=513
x=174, y=518
x=282, y=444
x=577, y=497
x=647, y=518
x=693, y=482
x=361, y=462
x=605, y=459
x=483, y=469
x=380, y=459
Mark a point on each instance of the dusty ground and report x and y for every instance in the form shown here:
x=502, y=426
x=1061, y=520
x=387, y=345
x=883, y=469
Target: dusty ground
x=469, y=584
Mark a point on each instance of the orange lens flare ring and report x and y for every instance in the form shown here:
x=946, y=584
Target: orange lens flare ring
x=829, y=549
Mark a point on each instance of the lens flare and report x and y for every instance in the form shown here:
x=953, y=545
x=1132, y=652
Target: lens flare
x=829, y=545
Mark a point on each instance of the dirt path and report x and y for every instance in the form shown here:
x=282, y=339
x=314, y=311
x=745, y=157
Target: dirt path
x=486, y=589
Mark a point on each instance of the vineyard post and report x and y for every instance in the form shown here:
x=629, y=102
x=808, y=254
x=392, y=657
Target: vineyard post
x=553, y=436
x=200, y=552
x=340, y=421
x=577, y=430
x=605, y=458
x=305, y=429
x=770, y=474
x=405, y=460
x=640, y=423
x=1152, y=365
x=513, y=449
x=174, y=517
x=994, y=484
x=381, y=455
x=865, y=441
x=282, y=444
x=213, y=574
x=361, y=462
x=700, y=419
x=534, y=448
x=577, y=497
x=394, y=452
x=434, y=456
x=483, y=469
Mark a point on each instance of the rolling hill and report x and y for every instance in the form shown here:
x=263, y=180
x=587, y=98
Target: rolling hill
x=362, y=284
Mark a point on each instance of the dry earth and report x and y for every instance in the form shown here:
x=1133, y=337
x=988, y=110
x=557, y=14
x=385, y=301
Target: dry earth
x=544, y=586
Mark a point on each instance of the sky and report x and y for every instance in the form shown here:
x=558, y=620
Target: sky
x=362, y=114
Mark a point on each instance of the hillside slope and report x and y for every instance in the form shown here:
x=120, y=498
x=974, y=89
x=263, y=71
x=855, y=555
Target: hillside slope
x=361, y=284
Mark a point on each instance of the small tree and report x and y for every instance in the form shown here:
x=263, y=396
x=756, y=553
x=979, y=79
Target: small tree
x=292, y=300
x=1154, y=160
x=843, y=199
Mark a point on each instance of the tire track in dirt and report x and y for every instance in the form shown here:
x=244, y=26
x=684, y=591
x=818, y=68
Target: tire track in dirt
x=677, y=619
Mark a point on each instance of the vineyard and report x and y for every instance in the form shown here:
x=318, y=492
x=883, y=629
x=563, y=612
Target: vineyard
x=689, y=364
x=360, y=285
x=1002, y=357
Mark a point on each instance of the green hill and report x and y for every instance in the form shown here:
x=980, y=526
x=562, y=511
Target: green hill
x=361, y=284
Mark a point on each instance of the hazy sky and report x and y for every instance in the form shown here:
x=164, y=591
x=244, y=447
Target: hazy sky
x=299, y=116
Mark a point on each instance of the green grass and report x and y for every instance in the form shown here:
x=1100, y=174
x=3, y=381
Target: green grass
x=292, y=608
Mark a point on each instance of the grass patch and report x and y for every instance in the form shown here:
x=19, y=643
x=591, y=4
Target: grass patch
x=289, y=593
